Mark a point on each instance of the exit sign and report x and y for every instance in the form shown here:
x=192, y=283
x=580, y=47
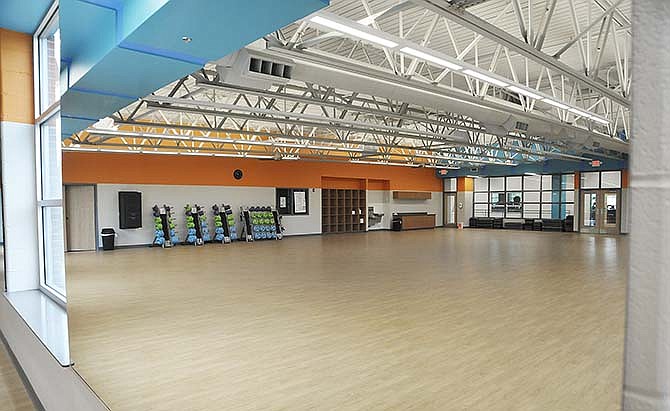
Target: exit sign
x=596, y=163
x=443, y=172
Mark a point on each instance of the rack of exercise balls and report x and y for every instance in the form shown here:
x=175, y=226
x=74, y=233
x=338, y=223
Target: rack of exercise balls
x=165, y=234
x=225, y=230
x=261, y=223
x=196, y=225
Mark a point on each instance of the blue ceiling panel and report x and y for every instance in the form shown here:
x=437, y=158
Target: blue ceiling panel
x=23, y=15
x=113, y=75
x=216, y=28
x=115, y=51
x=88, y=34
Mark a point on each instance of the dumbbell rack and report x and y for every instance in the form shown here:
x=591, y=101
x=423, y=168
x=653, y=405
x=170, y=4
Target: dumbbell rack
x=261, y=223
x=226, y=232
x=165, y=234
x=198, y=234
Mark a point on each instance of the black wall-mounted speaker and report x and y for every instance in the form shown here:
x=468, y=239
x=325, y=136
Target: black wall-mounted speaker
x=130, y=209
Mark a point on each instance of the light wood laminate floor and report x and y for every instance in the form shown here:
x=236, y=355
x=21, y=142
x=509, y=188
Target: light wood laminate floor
x=13, y=395
x=426, y=320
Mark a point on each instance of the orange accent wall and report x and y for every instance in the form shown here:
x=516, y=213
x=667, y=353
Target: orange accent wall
x=383, y=185
x=624, y=178
x=113, y=168
x=465, y=184
x=16, y=77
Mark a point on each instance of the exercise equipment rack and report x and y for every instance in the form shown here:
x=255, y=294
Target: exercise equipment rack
x=225, y=230
x=261, y=223
x=165, y=234
x=196, y=225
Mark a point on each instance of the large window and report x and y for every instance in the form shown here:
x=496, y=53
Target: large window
x=48, y=143
x=48, y=48
x=528, y=196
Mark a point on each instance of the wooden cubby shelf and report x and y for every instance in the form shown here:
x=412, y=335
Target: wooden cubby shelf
x=343, y=211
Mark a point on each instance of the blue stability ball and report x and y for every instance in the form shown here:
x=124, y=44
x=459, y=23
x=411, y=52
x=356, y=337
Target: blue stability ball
x=160, y=241
x=218, y=230
x=160, y=234
x=191, y=239
x=191, y=231
x=172, y=232
x=175, y=240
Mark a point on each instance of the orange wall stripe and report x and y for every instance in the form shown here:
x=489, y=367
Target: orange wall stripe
x=16, y=77
x=113, y=168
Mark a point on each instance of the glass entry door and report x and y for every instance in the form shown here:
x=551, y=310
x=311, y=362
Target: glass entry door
x=450, y=209
x=600, y=211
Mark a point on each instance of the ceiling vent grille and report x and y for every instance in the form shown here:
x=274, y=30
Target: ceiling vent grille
x=270, y=68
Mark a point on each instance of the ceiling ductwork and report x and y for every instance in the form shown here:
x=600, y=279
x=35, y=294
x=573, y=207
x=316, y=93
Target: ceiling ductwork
x=249, y=69
x=498, y=116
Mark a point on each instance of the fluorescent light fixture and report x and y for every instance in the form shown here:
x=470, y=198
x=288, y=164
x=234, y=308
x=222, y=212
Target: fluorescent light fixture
x=555, y=103
x=441, y=167
x=600, y=120
x=531, y=174
x=344, y=29
x=253, y=142
x=429, y=57
x=350, y=149
x=579, y=112
x=382, y=163
x=524, y=92
x=321, y=148
x=485, y=78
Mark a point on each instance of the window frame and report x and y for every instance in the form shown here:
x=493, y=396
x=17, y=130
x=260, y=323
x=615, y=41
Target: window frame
x=43, y=116
x=560, y=203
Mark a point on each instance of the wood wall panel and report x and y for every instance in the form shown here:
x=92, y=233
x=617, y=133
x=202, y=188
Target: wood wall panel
x=16, y=77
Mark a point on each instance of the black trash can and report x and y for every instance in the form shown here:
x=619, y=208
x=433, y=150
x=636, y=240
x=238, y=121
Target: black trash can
x=396, y=224
x=108, y=235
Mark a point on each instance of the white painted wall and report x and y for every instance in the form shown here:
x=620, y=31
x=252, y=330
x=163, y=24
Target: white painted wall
x=206, y=196
x=20, y=202
x=383, y=202
x=465, y=207
x=625, y=211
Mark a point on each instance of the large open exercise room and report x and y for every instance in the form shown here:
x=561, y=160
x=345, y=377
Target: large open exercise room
x=346, y=205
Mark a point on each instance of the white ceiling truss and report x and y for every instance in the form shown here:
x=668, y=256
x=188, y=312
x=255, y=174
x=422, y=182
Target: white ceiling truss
x=565, y=64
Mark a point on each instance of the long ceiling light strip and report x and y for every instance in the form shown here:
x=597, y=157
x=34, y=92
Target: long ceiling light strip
x=184, y=153
x=362, y=32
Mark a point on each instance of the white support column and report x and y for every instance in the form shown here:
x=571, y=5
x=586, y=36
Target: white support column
x=647, y=365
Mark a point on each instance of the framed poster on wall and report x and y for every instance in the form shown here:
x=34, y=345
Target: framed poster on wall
x=300, y=201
